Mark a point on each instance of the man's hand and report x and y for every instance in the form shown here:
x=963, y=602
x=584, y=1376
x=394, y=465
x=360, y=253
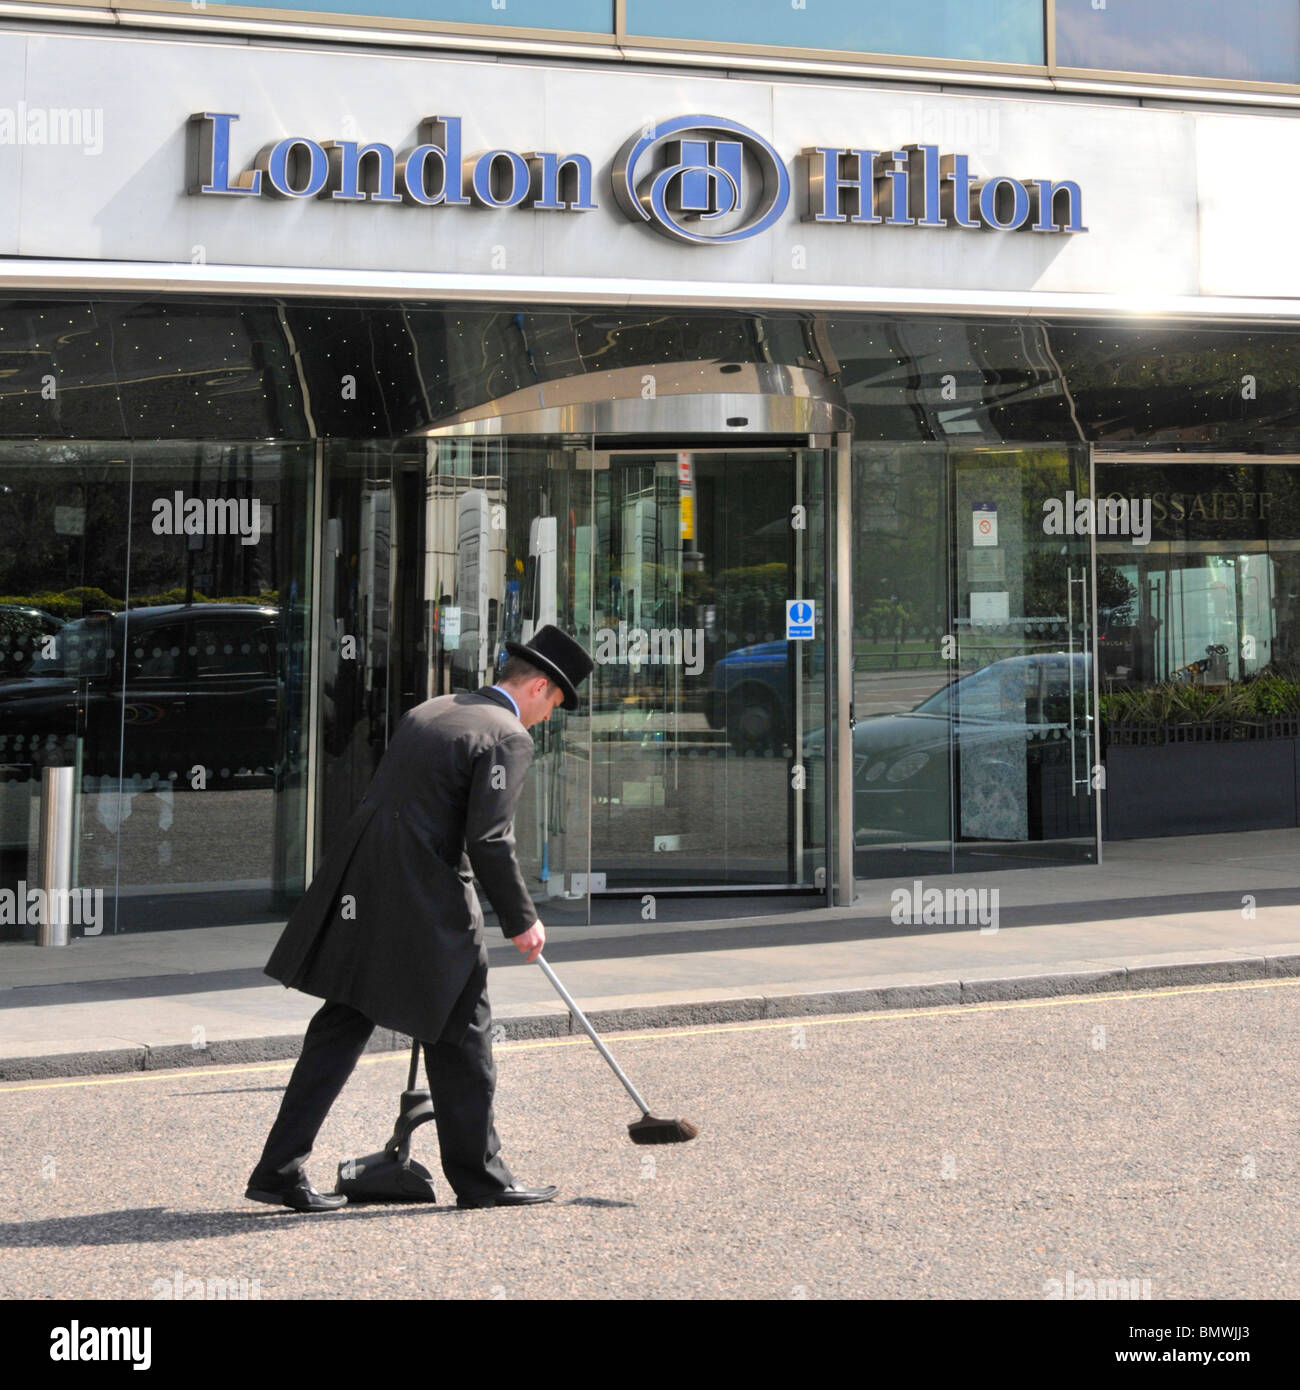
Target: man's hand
x=530, y=943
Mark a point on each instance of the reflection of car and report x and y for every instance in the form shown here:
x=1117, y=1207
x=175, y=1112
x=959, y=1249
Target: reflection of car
x=171, y=688
x=21, y=631
x=749, y=695
x=902, y=762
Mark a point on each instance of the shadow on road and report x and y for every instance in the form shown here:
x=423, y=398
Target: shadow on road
x=226, y=1091
x=143, y=1225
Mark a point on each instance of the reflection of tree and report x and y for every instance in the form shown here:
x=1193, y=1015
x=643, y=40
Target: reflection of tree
x=886, y=618
x=749, y=597
x=1116, y=594
x=900, y=545
x=1046, y=573
x=1183, y=384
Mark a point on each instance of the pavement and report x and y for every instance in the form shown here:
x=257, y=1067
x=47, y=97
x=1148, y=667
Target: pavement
x=1155, y=913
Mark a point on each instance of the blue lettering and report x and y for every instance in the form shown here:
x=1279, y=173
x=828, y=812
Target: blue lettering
x=283, y=169
x=989, y=200
x=484, y=177
x=1044, y=198
x=344, y=180
x=440, y=137
x=209, y=158
x=840, y=179
x=560, y=184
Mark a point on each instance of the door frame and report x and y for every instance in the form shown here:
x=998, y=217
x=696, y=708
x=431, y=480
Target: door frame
x=837, y=671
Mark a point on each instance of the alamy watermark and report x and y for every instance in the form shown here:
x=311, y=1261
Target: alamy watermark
x=190, y=1286
x=1098, y=516
x=53, y=125
x=77, y=1343
x=654, y=646
x=78, y=907
x=945, y=907
x=179, y=515
x=1077, y=1286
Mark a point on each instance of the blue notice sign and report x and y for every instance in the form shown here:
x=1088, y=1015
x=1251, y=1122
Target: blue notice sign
x=800, y=614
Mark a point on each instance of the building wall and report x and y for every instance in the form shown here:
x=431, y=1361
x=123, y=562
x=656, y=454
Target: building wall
x=297, y=348
x=98, y=152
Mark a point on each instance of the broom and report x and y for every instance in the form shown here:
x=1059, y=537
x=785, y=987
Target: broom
x=648, y=1129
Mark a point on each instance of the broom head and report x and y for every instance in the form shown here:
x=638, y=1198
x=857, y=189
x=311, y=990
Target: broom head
x=649, y=1130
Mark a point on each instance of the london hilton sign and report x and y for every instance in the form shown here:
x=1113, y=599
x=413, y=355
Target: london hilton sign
x=703, y=180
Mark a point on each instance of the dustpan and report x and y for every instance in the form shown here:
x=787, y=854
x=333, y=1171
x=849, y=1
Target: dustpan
x=392, y=1175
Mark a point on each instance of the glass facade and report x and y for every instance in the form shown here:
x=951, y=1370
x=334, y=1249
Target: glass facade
x=972, y=689
x=238, y=540
x=990, y=31
x=1255, y=41
x=587, y=16
x=153, y=629
x=1249, y=40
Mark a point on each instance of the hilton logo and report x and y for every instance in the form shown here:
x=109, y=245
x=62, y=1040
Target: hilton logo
x=699, y=180
x=697, y=176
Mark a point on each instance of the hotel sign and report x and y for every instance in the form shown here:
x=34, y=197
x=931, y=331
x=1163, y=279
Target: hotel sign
x=697, y=180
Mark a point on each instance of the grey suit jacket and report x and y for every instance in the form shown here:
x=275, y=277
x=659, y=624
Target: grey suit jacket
x=391, y=923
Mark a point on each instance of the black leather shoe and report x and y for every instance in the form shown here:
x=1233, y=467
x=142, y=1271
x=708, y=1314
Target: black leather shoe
x=299, y=1195
x=513, y=1196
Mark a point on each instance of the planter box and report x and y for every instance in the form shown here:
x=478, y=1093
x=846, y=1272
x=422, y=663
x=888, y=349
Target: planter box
x=1201, y=788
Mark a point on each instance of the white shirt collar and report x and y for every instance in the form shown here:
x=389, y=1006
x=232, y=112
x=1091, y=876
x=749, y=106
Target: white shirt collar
x=509, y=697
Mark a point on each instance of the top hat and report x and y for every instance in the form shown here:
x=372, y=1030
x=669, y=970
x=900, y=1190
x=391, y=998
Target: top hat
x=557, y=655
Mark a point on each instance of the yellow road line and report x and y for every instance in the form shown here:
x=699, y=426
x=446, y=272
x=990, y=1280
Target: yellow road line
x=581, y=1040
x=885, y=1015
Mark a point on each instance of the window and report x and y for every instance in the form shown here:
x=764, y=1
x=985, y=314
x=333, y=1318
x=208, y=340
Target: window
x=1248, y=40
x=991, y=31
x=154, y=653
x=998, y=692
x=586, y=16
x=231, y=647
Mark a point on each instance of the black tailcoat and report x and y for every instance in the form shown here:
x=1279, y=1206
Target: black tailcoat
x=391, y=923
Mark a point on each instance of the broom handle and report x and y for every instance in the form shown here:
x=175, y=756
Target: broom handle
x=592, y=1034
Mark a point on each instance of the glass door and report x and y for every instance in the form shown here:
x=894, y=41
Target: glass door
x=462, y=545
x=975, y=742
x=696, y=579
x=1020, y=707
x=708, y=715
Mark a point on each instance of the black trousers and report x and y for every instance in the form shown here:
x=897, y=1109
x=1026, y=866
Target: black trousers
x=462, y=1080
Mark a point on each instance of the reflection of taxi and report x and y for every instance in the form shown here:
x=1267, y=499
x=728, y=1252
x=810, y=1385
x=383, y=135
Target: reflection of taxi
x=173, y=687
x=902, y=762
x=749, y=695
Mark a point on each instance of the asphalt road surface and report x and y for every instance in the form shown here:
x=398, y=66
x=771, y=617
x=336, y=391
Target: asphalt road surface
x=977, y=1152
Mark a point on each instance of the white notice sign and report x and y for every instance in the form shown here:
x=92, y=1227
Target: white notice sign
x=984, y=523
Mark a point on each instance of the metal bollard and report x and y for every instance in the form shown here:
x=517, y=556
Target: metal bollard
x=58, y=806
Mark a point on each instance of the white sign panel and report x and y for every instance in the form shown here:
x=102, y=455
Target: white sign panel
x=990, y=609
x=984, y=523
x=237, y=153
